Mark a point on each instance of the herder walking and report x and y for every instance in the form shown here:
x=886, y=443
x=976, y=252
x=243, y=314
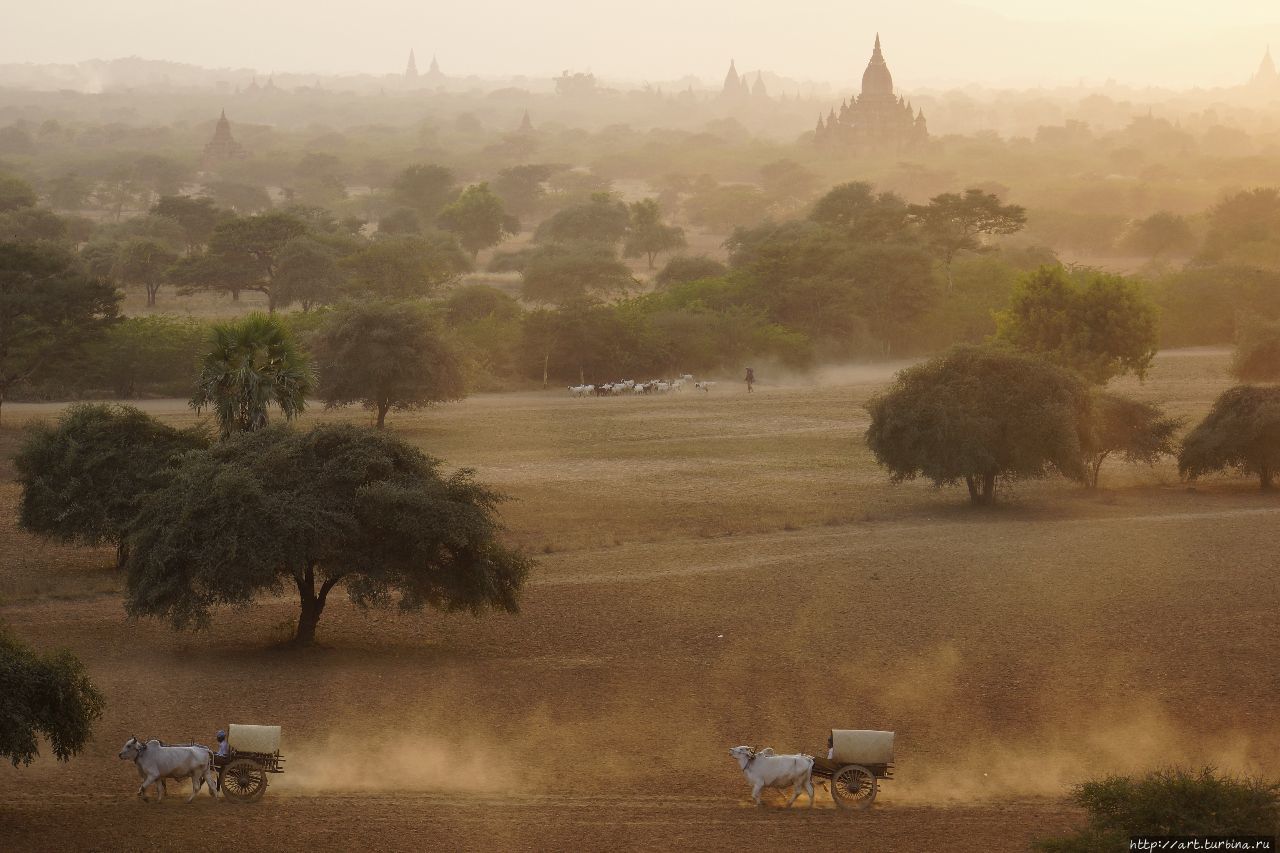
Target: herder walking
x=751, y=380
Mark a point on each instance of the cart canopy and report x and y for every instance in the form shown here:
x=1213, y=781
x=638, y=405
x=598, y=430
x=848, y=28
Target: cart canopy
x=253, y=738
x=859, y=746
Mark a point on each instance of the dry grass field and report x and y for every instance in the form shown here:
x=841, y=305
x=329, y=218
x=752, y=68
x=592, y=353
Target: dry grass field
x=713, y=570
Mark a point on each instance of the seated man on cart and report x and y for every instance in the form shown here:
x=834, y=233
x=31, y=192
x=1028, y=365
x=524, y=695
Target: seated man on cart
x=224, y=749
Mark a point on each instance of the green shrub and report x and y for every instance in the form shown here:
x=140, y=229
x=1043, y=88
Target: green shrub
x=1257, y=357
x=1173, y=801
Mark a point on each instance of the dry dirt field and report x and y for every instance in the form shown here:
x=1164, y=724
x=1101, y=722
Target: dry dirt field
x=713, y=570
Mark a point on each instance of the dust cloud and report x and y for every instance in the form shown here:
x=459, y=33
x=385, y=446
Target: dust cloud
x=389, y=761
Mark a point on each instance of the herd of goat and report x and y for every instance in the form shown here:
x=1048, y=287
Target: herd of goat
x=630, y=386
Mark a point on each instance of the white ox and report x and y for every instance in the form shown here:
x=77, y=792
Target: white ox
x=157, y=763
x=765, y=769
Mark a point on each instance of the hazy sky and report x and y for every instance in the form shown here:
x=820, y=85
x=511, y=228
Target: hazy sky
x=927, y=42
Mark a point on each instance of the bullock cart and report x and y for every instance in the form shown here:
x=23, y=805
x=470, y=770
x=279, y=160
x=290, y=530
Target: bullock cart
x=255, y=752
x=859, y=760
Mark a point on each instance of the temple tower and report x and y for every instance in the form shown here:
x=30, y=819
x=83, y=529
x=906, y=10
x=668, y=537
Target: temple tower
x=1267, y=78
x=223, y=146
x=876, y=119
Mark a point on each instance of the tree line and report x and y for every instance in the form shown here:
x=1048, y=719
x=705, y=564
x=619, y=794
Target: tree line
x=1033, y=403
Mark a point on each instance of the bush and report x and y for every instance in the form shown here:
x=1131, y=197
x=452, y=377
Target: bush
x=1173, y=801
x=1257, y=357
x=1241, y=431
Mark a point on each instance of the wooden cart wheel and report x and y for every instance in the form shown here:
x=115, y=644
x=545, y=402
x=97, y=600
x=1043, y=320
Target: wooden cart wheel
x=854, y=786
x=243, y=780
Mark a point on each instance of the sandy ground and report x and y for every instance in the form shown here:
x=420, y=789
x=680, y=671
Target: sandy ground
x=712, y=570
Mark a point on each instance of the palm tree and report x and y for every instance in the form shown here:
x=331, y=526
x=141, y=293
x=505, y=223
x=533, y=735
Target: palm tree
x=254, y=362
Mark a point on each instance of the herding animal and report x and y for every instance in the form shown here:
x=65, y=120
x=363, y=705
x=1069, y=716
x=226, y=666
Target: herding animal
x=157, y=762
x=765, y=769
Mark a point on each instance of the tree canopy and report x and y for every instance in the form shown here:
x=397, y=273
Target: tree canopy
x=477, y=219
x=338, y=504
x=386, y=356
x=857, y=209
x=954, y=223
x=1138, y=432
x=426, y=188
x=1160, y=235
x=1241, y=431
x=603, y=219
x=564, y=273
x=49, y=311
x=44, y=696
x=252, y=363
x=1241, y=224
x=1099, y=324
x=647, y=234
x=15, y=194
x=83, y=478
x=1257, y=355
x=253, y=244
x=308, y=274
x=978, y=414
x=197, y=217
x=684, y=268
x=406, y=267
x=522, y=189
x=146, y=263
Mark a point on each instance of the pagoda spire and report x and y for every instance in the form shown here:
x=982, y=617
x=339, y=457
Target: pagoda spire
x=1267, y=73
x=411, y=69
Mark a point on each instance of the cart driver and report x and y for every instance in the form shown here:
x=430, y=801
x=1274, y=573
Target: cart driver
x=831, y=746
x=224, y=748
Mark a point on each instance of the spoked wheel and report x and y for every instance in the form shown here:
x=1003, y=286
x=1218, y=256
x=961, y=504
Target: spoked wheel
x=243, y=780
x=854, y=787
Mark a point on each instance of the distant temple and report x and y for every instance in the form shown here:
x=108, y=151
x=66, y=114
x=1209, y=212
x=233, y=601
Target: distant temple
x=1267, y=79
x=222, y=147
x=411, y=70
x=757, y=88
x=737, y=89
x=434, y=74
x=875, y=120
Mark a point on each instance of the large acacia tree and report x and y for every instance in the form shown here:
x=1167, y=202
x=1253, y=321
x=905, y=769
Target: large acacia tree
x=83, y=478
x=338, y=505
x=386, y=356
x=978, y=414
x=1241, y=431
x=954, y=223
x=47, y=696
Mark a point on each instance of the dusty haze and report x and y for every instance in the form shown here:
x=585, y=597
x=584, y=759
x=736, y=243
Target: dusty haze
x=928, y=42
